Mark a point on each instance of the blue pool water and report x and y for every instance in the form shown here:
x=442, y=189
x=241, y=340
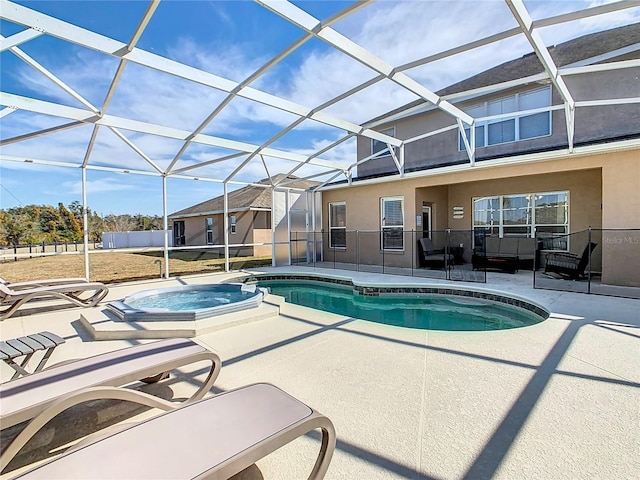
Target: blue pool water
x=195, y=297
x=432, y=312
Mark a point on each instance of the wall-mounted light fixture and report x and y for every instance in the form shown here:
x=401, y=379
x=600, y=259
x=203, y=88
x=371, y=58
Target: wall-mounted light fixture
x=458, y=212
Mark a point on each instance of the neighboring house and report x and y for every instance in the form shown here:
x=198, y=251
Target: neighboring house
x=249, y=219
x=527, y=179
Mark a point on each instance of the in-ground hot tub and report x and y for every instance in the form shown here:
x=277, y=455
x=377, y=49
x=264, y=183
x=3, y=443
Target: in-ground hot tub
x=187, y=302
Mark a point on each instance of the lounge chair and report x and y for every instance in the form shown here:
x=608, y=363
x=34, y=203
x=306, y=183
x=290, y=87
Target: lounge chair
x=83, y=294
x=213, y=438
x=432, y=257
x=569, y=265
x=41, y=283
x=41, y=396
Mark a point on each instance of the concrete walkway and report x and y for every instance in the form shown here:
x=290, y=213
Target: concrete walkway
x=556, y=400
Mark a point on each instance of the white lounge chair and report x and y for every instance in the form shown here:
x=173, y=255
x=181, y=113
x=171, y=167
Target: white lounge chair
x=83, y=294
x=213, y=438
x=41, y=283
x=41, y=396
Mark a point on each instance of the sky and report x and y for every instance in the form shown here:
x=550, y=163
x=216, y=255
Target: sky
x=231, y=39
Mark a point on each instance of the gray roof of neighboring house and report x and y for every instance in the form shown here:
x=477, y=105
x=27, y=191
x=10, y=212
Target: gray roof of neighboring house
x=249, y=197
x=567, y=53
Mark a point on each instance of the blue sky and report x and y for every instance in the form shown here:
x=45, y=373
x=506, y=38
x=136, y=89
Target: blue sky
x=231, y=39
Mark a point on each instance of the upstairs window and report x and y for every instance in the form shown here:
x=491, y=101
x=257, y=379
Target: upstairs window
x=377, y=145
x=519, y=127
x=392, y=223
x=338, y=225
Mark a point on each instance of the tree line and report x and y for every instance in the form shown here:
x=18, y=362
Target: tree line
x=35, y=224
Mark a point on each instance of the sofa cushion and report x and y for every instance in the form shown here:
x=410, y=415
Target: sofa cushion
x=527, y=248
x=492, y=245
x=509, y=246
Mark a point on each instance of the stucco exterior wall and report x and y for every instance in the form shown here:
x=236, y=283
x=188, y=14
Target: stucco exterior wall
x=250, y=228
x=584, y=186
x=591, y=124
x=604, y=192
x=621, y=210
x=195, y=230
x=262, y=235
x=595, y=123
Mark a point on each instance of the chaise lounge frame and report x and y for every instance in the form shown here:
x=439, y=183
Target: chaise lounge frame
x=41, y=396
x=41, y=283
x=213, y=439
x=14, y=298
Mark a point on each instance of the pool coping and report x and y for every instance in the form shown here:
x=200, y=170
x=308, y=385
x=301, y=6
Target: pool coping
x=377, y=289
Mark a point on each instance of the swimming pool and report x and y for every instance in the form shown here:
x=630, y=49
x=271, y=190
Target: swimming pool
x=431, y=308
x=187, y=302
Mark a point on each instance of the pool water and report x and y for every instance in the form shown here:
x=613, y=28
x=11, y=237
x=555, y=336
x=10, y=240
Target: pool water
x=193, y=298
x=422, y=311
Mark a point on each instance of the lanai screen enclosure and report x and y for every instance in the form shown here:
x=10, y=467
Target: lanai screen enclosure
x=207, y=97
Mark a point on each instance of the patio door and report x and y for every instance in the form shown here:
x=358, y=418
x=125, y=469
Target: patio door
x=426, y=221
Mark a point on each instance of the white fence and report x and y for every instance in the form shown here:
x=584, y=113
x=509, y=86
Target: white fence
x=145, y=238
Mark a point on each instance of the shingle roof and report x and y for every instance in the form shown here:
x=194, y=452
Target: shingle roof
x=251, y=197
x=567, y=53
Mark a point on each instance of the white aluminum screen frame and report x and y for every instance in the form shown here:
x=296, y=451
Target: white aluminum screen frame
x=39, y=24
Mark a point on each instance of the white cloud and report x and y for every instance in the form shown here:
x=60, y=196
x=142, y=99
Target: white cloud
x=84, y=71
x=105, y=185
x=397, y=32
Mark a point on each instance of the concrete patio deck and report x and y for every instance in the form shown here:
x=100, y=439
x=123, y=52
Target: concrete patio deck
x=556, y=400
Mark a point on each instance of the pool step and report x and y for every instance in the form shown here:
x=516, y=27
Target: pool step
x=104, y=324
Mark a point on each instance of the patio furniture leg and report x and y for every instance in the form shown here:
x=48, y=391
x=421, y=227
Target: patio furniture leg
x=27, y=346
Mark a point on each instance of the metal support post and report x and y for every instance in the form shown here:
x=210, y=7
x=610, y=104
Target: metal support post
x=85, y=223
x=165, y=226
x=226, y=227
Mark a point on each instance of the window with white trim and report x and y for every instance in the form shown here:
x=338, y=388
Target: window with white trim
x=338, y=225
x=510, y=129
x=377, y=145
x=525, y=215
x=233, y=224
x=392, y=223
x=209, y=227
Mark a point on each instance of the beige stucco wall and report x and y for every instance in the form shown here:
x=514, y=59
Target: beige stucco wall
x=621, y=210
x=250, y=228
x=604, y=193
x=591, y=123
x=195, y=230
x=262, y=235
x=584, y=186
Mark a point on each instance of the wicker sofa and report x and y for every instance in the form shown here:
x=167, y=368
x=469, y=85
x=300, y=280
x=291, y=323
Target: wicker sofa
x=507, y=254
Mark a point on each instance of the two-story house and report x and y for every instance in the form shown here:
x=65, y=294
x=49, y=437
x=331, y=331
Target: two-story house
x=538, y=166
